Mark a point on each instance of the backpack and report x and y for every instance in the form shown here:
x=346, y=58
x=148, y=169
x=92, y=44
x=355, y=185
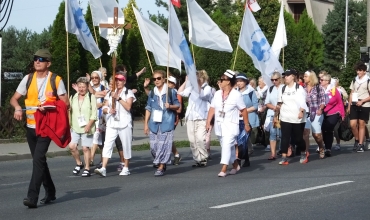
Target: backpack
x=344, y=130
x=89, y=99
x=52, y=82
x=151, y=95
x=283, y=89
x=183, y=110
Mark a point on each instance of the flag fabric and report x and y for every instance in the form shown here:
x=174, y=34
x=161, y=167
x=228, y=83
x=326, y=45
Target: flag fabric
x=203, y=31
x=252, y=5
x=102, y=13
x=254, y=43
x=176, y=3
x=280, y=40
x=181, y=48
x=76, y=24
x=155, y=39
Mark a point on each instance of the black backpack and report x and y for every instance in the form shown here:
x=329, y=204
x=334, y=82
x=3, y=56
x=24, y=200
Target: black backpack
x=344, y=130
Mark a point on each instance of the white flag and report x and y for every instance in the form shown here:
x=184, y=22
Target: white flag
x=254, y=43
x=280, y=40
x=181, y=48
x=156, y=40
x=102, y=13
x=203, y=31
x=76, y=24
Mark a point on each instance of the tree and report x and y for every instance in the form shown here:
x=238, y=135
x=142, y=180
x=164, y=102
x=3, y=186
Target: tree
x=312, y=42
x=58, y=49
x=333, y=32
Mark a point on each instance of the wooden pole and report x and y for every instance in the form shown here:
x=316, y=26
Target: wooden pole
x=168, y=49
x=236, y=54
x=150, y=63
x=192, y=48
x=67, y=65
x=283, y=58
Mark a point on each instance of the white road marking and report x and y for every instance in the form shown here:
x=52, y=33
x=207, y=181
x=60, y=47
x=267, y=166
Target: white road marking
x=279, y=195
x=12, y=184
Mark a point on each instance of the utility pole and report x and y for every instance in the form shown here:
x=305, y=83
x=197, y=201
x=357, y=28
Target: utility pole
x=346, y=34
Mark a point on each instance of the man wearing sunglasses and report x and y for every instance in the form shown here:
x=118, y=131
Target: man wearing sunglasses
x=37, y=91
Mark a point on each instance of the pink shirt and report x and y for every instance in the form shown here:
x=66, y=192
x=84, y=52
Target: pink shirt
x=335, y=104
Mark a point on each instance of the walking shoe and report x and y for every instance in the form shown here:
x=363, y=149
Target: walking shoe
x=304, y=157
x=92, y=163
x=246, y=163
x=47, y=199
x=222, y=174
x=177, y=160
x=318, y=150
x=124, y=172
x=30, y=203
x=169, y=162
x=102, y=172
x=234, y=171
x=77, y=169
x=155, y=165
x=284, y=161
x=120, y=166
x=337, y=147
x=203, y=163
x=360, y=148
x=159, y=173
x=268, y=148
x=328, y=153
x=355, y=146
x=86, y=173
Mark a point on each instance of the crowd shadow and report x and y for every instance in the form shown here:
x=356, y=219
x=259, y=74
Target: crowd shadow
x=87, y=193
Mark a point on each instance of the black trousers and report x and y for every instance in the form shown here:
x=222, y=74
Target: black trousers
x=328, y=129
x=40, y=172
x=294, y=132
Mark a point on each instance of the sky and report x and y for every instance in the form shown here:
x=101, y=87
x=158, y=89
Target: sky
x=36, y=15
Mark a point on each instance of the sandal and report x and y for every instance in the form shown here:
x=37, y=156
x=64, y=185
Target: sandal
x=322, y=153
x=271, y=158
x=86, y=173
x=290, y=151
x=77, y=169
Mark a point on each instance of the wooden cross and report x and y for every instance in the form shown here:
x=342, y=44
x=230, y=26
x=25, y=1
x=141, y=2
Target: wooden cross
x=115, y=26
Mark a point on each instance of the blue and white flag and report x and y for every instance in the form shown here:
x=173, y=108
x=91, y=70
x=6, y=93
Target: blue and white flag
x=76, y=24
x=181, y=48
x=254, y=43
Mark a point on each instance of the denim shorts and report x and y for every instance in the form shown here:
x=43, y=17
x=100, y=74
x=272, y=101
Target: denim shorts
x=315, y=125
x=274, y=131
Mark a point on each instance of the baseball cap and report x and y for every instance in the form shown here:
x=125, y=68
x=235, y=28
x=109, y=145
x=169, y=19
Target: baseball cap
x=290, y=72
x=44, y=53
x=172, y=79
x=242, y=76
x=229, y=73
x=120, y=77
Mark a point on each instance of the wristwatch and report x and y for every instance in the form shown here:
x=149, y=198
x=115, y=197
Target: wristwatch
x=119, y=99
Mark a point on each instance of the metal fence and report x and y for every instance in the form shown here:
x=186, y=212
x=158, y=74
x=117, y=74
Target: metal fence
x=11, y=129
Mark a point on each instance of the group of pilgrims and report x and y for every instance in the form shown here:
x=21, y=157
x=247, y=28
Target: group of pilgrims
x=240, y=111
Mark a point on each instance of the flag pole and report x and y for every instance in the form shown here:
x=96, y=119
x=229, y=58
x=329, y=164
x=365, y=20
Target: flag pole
x=192, y=48
x=150, y=63
x=168, y=49
x=283, y=57
x=96, y=39
x=67, y=49
x=236, y=54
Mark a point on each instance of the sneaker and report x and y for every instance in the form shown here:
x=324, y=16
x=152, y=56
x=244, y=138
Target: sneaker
x=222, y=174
x=124, y=172
x=102, y=171
x=337, y=147
x=355, y=146
x=304, y=158
x=120, y=167
x=360, y=148
x=284, y=161
x=203, y=163
x=318, y=150
x=234, y=171
x=177, y=160
x=100, y=165
x=268, y=148
x=159, y=173
x=77, y=169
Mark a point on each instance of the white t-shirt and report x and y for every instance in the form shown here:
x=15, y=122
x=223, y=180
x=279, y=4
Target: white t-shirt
x=228, y=125
x=123, y=115
x=293, y=99
x=272, y=98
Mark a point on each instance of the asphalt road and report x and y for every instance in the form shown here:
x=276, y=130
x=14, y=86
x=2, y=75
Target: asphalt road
x=332, y=188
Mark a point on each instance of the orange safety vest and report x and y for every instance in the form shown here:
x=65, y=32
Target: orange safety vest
x=33, y=94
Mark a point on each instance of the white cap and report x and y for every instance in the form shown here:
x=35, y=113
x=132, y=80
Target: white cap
x=172, y=79
x=97, y=72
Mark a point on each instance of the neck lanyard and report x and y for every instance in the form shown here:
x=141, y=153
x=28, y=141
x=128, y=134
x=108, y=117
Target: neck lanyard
x=80, y=106
x=39, y=91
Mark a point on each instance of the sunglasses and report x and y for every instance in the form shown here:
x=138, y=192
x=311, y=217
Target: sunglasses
x=323, y=80
x=274, y=80
x=222, y=79
x=120, y=79
x=156, y=78
x=40, y=59
x=95, y=77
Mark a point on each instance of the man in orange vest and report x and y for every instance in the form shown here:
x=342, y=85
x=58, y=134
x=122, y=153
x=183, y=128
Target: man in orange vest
x=38, y=87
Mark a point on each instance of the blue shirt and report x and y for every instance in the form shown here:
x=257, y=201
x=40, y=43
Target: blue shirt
x=252, y=116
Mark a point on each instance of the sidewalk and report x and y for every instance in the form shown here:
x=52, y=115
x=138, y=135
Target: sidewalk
x=19, y=151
